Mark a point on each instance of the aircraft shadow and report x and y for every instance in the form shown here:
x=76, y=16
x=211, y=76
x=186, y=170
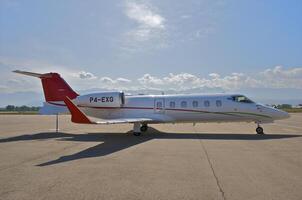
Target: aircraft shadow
x=113, y=142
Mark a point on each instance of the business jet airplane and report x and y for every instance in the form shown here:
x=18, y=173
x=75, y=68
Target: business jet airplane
x=141, y=110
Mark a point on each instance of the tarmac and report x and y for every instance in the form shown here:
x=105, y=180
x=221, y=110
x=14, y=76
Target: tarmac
x=170, y=161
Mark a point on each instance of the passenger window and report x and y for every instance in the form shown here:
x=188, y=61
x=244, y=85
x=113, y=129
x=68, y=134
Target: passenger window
x=218, y=103
x=195, y=104
x=159, y=105
x=206, y=103
x=172, y=104
x=183, y=104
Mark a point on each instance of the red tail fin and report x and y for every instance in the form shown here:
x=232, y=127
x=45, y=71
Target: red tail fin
x=54, y=86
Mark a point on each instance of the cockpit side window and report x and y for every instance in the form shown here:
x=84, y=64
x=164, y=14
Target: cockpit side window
x=241, y=99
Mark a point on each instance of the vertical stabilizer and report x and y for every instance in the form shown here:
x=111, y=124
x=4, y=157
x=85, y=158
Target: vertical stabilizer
x=54, y=86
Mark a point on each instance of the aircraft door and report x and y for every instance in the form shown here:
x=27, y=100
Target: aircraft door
x=159, y=105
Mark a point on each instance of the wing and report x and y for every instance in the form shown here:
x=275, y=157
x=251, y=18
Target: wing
x=123, y=120
x=77, y=116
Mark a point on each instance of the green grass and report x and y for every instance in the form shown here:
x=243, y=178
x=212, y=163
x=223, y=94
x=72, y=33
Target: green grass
x=293, y=110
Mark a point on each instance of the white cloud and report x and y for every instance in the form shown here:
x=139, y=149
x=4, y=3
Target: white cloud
x=166, y=26
x=144, y=16
x=149, y=31
x=148, y=80
x=108, y=80
x=277, y=77
x=279, y=72
x=123, y=80
x=114, y=84
x=186, y=81
x=85, y=75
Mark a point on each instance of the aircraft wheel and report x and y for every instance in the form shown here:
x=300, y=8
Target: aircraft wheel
x=259, y=130
x=144, y=128
x=137, y=133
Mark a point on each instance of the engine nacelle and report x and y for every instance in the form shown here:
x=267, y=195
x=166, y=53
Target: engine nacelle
x=103, y=99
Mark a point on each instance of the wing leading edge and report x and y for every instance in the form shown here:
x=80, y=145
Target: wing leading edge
x=77, y=116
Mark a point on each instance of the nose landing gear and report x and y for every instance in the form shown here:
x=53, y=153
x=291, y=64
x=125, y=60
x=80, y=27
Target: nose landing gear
x=259, y=130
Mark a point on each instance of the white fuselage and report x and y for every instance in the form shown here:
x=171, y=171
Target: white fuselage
x=187, y=108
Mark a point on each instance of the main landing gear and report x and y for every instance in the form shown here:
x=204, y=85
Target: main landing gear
x=259, y=129
x=138, y=128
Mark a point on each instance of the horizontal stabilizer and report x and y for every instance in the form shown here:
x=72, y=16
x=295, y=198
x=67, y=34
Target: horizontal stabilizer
x=32, y=74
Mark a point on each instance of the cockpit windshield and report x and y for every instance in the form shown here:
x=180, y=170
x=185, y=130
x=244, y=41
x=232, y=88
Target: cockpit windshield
x=241, y=99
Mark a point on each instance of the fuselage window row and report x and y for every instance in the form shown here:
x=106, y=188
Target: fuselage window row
x=195, y=104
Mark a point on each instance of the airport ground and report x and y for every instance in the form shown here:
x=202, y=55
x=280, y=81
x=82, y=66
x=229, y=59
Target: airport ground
x=206, y=161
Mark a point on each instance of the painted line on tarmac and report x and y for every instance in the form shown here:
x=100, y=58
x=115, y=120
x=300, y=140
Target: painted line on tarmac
x=211, y=167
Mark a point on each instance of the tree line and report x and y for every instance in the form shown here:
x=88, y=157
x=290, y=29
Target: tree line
x=283, y=106
x=20, y=108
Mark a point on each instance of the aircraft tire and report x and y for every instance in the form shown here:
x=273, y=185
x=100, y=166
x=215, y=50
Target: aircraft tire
x=259, y=130
x=144, y=128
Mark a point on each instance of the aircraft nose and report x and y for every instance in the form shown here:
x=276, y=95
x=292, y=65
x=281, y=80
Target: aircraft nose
x=280, y=114
x=275, y=113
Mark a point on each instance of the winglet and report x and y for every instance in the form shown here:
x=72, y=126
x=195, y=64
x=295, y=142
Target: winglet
x=77, y=116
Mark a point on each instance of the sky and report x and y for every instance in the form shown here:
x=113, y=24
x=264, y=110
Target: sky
x=251, y=47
